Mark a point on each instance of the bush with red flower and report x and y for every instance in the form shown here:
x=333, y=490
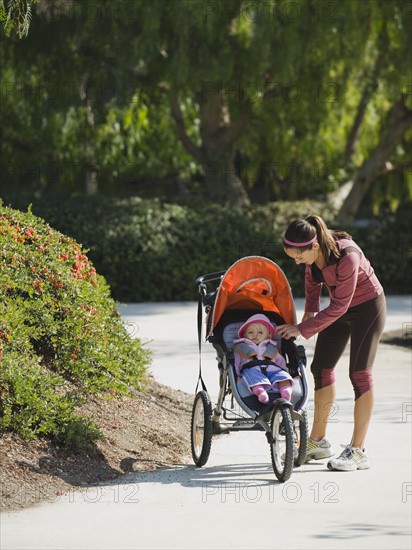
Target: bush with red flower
x=61, y=336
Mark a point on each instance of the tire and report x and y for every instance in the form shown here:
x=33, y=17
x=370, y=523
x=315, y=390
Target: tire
x=281, y=448
x=301, y=436
x=201, y=428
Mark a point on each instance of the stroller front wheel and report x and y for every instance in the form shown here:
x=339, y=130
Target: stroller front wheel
x=301, y=435
x=201, y=428
x=281, y=448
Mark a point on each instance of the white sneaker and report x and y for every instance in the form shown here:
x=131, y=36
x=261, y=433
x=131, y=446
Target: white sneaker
x=351, y=458
x=316, y=450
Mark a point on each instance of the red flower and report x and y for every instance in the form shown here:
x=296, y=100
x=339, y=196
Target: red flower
x=30, y=233
x=37, y=285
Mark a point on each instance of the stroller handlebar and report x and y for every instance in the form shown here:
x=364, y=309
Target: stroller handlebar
x=208, y=298
x=209, y=277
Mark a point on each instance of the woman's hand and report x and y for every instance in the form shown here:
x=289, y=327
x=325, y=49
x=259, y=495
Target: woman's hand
x=288, y=331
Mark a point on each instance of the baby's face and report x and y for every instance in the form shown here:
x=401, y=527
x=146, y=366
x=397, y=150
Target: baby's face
x=256, y=332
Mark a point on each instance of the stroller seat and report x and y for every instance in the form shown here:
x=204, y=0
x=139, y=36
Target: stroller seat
x=230, y=333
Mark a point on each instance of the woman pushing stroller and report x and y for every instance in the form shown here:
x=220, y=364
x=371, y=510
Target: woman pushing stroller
x=357, y=310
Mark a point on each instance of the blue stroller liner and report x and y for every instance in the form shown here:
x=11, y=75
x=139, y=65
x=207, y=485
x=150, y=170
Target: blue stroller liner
x=224, y=335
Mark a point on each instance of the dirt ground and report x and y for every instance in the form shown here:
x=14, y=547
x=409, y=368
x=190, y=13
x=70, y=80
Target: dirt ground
x=148, y=432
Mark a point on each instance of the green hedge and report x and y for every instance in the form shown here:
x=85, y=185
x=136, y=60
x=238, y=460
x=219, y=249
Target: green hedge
x=389, y=249
x=153, y=251
x=61, y=336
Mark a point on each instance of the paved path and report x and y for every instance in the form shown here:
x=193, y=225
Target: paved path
x=235, y=501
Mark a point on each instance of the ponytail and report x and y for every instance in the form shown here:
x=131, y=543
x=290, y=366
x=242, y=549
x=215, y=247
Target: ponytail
x=327, y=239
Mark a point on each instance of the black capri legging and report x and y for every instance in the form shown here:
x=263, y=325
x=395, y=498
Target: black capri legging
x=364, y=325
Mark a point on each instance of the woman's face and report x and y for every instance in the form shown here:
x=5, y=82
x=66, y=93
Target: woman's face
x=307, y=257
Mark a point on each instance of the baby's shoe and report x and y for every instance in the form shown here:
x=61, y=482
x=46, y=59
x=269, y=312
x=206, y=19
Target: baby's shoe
x=261, y=394
x=286, y=392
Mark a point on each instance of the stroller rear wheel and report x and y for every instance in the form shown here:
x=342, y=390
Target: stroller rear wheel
x=281, y=448
x=201, y=429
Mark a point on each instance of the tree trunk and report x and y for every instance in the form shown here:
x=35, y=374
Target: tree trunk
x=217, y=152
x=349, y=197
x=353, y=136
x=91, y=182
x=222, y=182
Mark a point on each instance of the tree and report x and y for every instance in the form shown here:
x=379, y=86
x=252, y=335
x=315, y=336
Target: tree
x=383, y=96
x=275, y=99
x=235, y=60
x=73, y=116
x=273, y=76
x=399, y=120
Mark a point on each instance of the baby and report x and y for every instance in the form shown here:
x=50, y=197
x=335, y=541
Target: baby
x=255, y=342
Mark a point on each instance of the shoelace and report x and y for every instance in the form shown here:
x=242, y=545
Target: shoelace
x=347, y=452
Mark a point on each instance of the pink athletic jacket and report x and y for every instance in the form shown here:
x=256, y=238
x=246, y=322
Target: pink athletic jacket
x=350, y=282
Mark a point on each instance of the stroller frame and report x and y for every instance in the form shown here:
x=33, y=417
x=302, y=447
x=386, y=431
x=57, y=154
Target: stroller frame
x=284, y=423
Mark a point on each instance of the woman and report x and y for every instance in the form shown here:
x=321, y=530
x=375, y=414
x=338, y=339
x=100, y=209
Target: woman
x=357, y=310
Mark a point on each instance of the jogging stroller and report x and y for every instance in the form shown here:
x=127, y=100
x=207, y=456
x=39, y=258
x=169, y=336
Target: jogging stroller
x=253, y=284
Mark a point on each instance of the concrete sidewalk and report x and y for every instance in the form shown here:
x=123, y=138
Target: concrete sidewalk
x=235, y=501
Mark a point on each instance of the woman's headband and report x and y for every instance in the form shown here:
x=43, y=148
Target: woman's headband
x=291, y=243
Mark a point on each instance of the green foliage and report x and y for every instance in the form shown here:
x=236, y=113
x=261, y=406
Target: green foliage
x=98, y=102
x=389, y=250
x=61, y=336
x=149, y=250
x=16, y=14
x=297, y=69
x=79, y=433
x=136, y=141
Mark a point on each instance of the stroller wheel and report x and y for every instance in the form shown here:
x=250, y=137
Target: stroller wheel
x=201, y=429
x=281, y=447
x=301, y=436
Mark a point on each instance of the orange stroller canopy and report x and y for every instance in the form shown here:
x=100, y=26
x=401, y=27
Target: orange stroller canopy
x=254, y=283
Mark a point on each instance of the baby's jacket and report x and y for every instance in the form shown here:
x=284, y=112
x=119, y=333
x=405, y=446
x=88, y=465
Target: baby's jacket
x=245, y=350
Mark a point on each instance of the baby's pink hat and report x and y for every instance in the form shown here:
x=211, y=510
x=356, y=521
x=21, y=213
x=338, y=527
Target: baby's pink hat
x=258, y=318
